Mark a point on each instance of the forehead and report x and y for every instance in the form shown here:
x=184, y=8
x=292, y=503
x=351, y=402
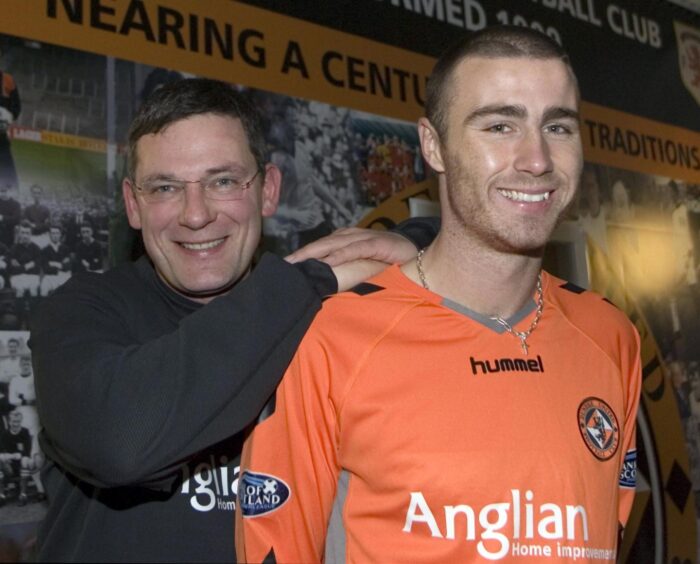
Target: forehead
x=193, y=145
x=536, y=84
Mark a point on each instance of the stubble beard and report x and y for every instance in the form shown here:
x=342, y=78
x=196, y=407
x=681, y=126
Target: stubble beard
x=478, y=224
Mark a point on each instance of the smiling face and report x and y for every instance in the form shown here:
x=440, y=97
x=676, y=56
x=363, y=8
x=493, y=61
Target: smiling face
x=200, y=247
x=511, y=154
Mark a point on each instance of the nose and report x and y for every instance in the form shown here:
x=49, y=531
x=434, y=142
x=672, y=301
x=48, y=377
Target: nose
x=196, y=210
x=534, y=154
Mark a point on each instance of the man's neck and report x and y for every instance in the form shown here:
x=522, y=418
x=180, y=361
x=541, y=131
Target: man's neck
x=483, y=280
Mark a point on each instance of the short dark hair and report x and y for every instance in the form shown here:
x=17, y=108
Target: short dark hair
x=189, y=97
x=491, y=42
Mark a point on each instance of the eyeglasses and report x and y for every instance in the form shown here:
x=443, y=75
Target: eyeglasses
x=218, y=187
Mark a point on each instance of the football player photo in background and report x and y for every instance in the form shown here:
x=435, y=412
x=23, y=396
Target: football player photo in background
x=10, y=107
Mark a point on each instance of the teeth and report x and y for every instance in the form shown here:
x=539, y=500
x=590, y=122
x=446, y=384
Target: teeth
x=524, y=196
x=202, y=246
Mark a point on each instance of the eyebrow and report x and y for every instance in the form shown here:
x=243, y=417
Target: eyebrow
x=520, y=112
x=561, y=113
x=496, y=110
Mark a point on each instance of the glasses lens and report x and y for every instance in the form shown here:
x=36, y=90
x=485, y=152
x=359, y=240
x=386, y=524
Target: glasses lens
x=161, y=191
x=222, y=187
x=227, y=188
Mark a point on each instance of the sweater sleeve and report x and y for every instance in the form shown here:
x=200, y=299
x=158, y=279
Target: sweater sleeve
x=421, y=231
x=116, y=411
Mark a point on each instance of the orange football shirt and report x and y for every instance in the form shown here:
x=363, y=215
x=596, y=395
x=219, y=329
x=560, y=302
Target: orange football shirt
x=409, y=429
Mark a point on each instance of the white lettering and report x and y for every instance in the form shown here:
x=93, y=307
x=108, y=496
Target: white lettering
x=474, y=15
x=530, y=550
x=426, y=516
x=203, y=477
x=555, y=519
x=571, y=513
x=468, y=14
x=450, y=513
x=544, y=520
x=491, y=530
x=454, y=13
x=529, y=517
x=633, y=26
x=205, y=497
x=431, y=8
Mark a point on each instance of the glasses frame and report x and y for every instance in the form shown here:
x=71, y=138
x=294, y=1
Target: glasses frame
x=244, y=186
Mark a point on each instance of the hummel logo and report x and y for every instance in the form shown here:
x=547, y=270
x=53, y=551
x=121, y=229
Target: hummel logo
x=507, y=365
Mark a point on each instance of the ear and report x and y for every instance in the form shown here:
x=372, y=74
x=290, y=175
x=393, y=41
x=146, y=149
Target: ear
x=131, y=204
x=430, y=145
x=271, y=190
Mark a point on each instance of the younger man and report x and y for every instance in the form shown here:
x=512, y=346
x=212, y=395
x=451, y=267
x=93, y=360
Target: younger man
x=468, y=405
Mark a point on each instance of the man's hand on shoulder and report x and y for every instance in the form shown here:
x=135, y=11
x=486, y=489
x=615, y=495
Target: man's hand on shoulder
x=354, y=243
x=350, y=274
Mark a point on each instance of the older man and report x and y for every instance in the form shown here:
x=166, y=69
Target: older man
x=147, y=375
x=468, y=406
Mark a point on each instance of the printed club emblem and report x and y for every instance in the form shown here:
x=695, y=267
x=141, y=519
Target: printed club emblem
x=688, y=42
x=599, y=428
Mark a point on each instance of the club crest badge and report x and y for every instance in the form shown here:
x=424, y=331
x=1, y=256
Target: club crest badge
x=599, y=428
x=688, y=41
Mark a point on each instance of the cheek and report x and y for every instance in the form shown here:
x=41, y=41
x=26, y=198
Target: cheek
x=490, y=163
x=244, y=213
x=486, y=159
x=155, y=222
x=571, y=165
x=569, y=158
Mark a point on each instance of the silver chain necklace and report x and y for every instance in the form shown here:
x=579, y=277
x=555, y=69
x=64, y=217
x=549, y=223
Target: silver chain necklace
x=522, y=335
